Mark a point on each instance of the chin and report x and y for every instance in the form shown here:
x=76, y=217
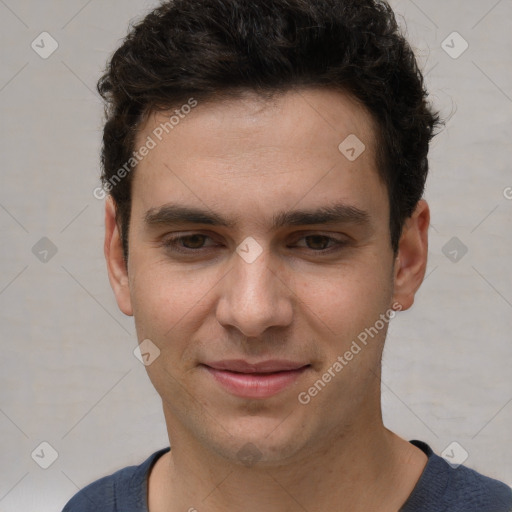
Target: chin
x=261, y=441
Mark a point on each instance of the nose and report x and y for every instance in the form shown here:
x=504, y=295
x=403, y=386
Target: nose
x=254, y=295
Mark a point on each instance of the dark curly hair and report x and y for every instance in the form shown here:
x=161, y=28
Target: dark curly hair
x=210, y=49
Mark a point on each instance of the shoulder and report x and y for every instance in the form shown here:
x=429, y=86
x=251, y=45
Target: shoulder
x=449, y=488
x=98, y=495
x=122, y=491
x=472, y=491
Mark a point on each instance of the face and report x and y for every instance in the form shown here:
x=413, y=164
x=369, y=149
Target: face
x=260, y=299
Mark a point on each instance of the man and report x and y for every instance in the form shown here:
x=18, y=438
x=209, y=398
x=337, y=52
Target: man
x=265, y=164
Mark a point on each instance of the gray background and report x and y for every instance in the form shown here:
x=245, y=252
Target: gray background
x=68, y=374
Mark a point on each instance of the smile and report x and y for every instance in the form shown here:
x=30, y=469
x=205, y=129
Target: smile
x=255, y=384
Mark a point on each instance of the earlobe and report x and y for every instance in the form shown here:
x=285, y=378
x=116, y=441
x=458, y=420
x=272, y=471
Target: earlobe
x=411, y=260
x=116, y=265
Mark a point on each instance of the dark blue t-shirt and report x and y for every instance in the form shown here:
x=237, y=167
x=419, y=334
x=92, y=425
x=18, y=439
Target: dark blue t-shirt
x=441, y=488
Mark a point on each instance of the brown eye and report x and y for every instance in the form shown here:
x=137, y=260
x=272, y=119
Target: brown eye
x=193, y=241
x=320, y=243
x=186, y=243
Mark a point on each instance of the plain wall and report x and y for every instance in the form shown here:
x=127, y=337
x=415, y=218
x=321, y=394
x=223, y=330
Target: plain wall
x=68, y=374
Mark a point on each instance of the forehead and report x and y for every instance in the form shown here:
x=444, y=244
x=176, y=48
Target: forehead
x=233, y=153
x=308, y=117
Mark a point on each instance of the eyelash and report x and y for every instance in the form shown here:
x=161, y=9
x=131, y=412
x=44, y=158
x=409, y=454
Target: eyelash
x=171, y=243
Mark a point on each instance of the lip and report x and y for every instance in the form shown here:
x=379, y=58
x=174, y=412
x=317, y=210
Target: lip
x=255, y=380
x=242, y=366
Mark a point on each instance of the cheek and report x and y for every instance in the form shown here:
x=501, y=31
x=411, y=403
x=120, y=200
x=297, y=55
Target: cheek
x=347, y=298
x=167, y=300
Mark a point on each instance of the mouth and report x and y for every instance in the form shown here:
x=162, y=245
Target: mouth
x=255, y=380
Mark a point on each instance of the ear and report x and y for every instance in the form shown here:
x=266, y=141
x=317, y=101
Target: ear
x=411, y=260
x=116, y=265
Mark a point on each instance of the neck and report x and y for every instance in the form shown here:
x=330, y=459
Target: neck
x=355, y=469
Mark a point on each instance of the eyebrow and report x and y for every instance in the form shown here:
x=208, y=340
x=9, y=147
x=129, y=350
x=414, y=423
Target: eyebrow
x=176, y=214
